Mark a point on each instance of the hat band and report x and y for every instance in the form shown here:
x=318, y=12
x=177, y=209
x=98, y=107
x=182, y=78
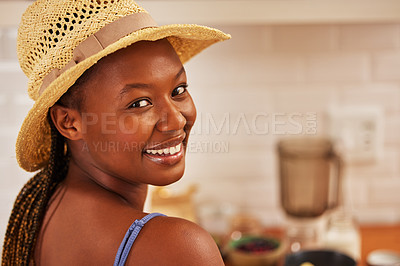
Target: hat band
x=100, y=40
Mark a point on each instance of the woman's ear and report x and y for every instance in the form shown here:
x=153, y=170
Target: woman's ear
x=67, y=121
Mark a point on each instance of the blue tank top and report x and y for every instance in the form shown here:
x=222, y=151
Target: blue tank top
x=130, y=237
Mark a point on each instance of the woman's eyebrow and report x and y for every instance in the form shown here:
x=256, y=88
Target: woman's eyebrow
x=130, y=86
x=180, y=73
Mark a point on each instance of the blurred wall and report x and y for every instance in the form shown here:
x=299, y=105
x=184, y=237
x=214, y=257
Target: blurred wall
x=14, y=104
x=264, y=76
x=265, y=83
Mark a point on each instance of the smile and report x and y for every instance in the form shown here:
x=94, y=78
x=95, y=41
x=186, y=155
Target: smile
x=166, y=151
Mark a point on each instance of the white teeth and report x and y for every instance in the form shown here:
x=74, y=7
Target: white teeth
x=170, y=150
x=178, y=147
x=175, y=149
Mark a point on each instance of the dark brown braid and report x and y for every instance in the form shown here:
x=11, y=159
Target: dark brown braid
x=29, y=208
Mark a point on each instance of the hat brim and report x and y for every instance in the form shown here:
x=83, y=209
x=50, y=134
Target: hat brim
x=34, y=140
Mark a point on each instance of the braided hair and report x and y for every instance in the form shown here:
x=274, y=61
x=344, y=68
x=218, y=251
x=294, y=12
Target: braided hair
x=30, y=206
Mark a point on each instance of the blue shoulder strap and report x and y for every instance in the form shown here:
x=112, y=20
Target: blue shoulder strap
x=130, y=236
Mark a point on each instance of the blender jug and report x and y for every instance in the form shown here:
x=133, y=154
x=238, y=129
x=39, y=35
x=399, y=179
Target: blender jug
x=309, y=183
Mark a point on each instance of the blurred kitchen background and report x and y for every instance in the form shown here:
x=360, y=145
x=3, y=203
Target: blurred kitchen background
x=291, y=68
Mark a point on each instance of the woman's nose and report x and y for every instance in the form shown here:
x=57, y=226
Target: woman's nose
x=171, y=119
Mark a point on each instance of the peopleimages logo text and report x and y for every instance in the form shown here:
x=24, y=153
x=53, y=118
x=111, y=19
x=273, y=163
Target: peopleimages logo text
x=261, y=123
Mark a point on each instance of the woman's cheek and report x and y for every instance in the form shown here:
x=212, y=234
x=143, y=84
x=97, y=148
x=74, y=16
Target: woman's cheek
x=128, y=124
x=188, y=110
x=136, y=127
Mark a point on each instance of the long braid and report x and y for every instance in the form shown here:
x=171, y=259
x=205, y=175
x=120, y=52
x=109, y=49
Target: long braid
x=30, y=206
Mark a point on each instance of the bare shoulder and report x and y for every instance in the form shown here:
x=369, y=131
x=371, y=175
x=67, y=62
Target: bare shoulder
x=174, y=241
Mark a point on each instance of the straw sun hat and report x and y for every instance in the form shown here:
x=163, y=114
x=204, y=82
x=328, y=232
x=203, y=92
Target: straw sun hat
x=58, y=40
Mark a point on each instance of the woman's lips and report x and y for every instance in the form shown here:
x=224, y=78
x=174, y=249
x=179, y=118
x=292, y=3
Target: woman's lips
x=167, y=156
x=172, y=142
x=165, y=151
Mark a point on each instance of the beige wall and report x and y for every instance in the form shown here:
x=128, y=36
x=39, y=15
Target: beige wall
x=295, y=69
x=263, y=72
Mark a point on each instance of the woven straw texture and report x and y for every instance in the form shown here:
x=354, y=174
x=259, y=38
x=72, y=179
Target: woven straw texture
x=49, y=32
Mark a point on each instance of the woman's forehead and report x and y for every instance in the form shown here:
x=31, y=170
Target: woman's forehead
x=141, y=53
x=145, y=63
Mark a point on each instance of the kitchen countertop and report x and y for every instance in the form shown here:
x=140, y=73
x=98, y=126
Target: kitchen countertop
x=378, y=237
x=373, y=237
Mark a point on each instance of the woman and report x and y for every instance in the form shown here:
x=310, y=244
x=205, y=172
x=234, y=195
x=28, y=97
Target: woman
x=112, y=115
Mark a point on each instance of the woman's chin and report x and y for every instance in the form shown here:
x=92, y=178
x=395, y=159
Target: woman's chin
x=160, y=181
x=167, y=175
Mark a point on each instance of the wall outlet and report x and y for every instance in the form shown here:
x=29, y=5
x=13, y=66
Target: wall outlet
x=358, y=131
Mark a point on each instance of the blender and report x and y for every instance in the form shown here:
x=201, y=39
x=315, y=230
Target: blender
x=310, y=186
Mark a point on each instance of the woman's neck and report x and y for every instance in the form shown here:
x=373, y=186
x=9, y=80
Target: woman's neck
x=85, y=174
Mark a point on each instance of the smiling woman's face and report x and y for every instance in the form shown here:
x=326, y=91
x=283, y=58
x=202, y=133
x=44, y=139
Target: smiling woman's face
x=137, y=114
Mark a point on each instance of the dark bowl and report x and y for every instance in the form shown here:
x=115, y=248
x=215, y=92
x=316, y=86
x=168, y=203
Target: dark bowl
x=241, y=251
x=319, y=258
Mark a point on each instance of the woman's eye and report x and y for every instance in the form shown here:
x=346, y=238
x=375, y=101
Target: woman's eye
x=140, y=103
x=179, y=90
